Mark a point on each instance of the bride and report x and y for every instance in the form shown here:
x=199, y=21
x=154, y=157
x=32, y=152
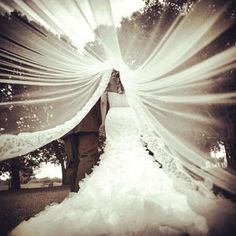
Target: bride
x=127, y=193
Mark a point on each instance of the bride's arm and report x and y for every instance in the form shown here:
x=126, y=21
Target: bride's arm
x=103, y=107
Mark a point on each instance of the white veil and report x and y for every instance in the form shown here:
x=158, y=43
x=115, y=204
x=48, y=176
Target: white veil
x=56, y=85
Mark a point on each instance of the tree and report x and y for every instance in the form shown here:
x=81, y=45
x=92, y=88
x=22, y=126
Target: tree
x=51, y=153
x=24, y=165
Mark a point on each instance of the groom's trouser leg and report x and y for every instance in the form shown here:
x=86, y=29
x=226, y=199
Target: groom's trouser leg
x=87, y=153
x=72, y=160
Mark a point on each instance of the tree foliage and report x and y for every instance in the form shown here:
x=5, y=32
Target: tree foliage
x=148, y=26
x=144, y=27
x=215, y=137
x=28, y=116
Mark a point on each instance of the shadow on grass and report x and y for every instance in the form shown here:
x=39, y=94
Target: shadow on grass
x=16, y=206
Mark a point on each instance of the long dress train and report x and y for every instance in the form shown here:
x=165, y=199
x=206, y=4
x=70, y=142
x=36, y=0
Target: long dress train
x=128, y=194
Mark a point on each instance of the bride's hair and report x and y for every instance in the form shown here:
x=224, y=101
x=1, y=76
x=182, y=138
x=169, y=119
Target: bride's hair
x=116, y=76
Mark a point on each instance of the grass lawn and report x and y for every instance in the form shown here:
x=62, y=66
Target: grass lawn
x=16, y=206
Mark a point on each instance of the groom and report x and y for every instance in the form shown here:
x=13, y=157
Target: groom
x=81, y=146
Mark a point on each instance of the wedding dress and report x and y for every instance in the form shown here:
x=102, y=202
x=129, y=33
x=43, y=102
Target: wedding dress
x=127, y=193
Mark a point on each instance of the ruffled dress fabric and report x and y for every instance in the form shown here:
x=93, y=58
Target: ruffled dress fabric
x=128, y=194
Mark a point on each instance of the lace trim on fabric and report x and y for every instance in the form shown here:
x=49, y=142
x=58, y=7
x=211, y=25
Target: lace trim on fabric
x=15, y=145
x=169, y=162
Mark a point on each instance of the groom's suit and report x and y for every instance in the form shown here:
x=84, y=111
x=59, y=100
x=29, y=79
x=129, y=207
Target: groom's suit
x=81, y=146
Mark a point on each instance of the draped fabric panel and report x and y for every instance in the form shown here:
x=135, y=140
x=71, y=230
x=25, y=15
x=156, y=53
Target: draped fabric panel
x=170, y=87
x=51, y=78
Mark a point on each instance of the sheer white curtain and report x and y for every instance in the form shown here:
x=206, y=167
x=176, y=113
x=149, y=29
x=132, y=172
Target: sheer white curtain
x=165, y=90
